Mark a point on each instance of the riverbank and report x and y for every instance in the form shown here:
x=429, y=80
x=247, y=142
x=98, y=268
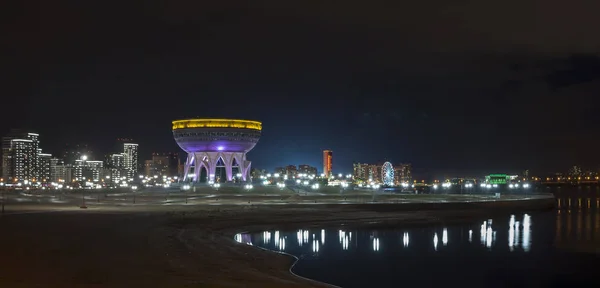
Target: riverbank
x=228, y=221
x=191, y=245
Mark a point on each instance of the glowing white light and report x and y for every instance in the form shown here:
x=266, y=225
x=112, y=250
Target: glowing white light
x=282, y=244
x=482, y=233
x=323, y=236
x=315, y=246
x=248, y=186
x=511, y=232
x=445, y=237
x=470, y=236
x=526, y=185
x=299, y=237
x=265, y=182
x=495, y=185
x=435, y=241
x=517, y=232
x=266, y=237
x=375, y=244
x=435, y=186
x=405, y=239
x=516, y=185
x=526, y=232
x=488, y=238
x=511, y=186
x=276, y=175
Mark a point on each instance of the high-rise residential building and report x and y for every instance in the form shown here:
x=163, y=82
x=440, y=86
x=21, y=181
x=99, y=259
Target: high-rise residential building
x=364, y=172
x=116, y=161
x=149, y=168
x=130, y=153
x=88, y=170
x=174, y=162
x=327, y=162
x=115, y=167
x=360, y=171
x=402, y=173
x=20, y=157
x=291, y=171
x=60, y=172
x=20, y=161
x=307, y=169
x=34, y=169
x=374, y=173
x=166, y=164
x=44, y=167
x=280, y=170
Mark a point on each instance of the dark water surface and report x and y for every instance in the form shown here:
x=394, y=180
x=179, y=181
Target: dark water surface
x=544, y=249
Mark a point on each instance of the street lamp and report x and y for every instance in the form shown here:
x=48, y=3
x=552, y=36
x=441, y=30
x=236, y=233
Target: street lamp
x=3, y=196
x=83, y=159
x=133, y=188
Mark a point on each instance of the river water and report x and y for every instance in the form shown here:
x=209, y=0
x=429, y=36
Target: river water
x=542, y=249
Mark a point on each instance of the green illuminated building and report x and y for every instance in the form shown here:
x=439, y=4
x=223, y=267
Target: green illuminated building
x=497, y=179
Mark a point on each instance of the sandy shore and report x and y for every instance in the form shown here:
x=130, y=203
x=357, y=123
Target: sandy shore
x=193, y=246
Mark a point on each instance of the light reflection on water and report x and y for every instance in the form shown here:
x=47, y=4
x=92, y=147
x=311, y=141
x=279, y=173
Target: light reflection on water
x=518, y=237
x=512, y=247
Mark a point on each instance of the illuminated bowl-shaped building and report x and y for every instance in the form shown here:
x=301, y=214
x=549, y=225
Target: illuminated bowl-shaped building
x=216, y=143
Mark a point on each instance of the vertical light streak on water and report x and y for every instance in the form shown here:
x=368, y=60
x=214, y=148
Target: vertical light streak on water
x=511, y=232
x=445, y=237
x=526, y=232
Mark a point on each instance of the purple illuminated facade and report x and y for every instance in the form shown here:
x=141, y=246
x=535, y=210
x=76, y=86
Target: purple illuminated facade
x=212, y=143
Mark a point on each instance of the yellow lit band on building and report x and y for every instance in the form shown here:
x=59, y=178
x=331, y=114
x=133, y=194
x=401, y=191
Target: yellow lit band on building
x=217, y=123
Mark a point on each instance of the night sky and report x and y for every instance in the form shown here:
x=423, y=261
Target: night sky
x=452, y=87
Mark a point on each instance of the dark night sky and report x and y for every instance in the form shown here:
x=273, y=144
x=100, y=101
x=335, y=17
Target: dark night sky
x=450, y=86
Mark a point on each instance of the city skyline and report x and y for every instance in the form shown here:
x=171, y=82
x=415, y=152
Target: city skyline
x=144, y=164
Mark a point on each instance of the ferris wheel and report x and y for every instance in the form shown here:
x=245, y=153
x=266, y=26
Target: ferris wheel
x=387, y=174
